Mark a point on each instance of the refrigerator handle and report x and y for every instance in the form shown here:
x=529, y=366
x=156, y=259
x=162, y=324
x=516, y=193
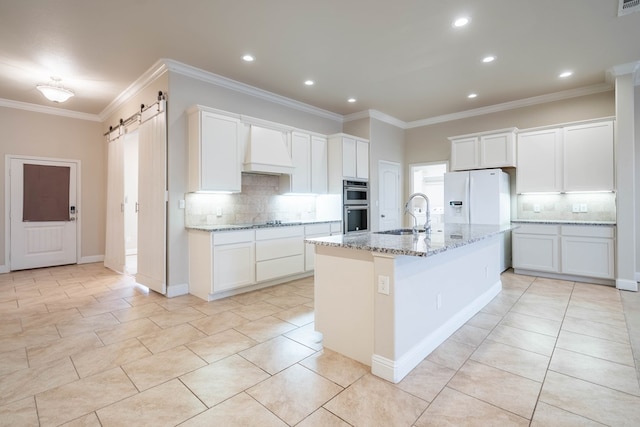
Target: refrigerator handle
x=469, y=190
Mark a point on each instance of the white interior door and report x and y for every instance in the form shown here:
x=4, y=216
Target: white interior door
x=152, y=202
x=114, y=254
x=389, y=195
x=43, y=212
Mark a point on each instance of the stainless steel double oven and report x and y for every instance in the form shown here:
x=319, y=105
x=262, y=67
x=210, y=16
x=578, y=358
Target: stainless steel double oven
x=355, y=200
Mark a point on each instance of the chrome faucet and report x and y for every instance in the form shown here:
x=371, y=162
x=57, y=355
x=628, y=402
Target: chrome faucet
x=427, y=224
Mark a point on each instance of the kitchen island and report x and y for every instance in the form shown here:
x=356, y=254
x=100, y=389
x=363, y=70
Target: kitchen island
x=389, y=300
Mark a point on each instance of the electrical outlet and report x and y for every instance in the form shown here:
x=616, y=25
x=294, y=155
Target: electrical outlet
x=218, y=211
x=575, y=208
x=383, y=285
x=181, y=204
x=536, y=207
x=583, y=207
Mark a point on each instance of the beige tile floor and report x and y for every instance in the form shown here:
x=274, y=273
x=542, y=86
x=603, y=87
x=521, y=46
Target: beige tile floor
x=83, y=346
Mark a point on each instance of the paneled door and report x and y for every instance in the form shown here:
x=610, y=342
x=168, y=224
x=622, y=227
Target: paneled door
x=43, y=213
x=389, y=195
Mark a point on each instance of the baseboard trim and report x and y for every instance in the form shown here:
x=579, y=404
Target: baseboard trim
x=395, y=370
x=626, y=285
x=91, y=259
x=4, y=269
x=569, y=277
x=177, y=290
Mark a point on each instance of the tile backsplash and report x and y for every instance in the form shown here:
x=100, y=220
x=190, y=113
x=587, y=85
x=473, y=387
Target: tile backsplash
x=259, y=201
x=598, y=206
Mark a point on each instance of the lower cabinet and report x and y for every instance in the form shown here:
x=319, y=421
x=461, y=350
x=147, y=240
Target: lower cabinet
x=575, y=250
x=279, y=252
x=233, y=260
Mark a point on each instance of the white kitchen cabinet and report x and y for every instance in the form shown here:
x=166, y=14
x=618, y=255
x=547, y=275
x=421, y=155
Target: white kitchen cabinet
x=569, y=158
x=279, y=252
x=220, y=261
x=309, y=158
x=484, y=150
x=588, y=157
x=588, y=251
x=539, y=161
x=215, y=162
x=348, y=158
x=536, y=247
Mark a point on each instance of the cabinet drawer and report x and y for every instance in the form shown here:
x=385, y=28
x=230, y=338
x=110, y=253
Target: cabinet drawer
x=279, y=248
x=317, y=229
x=275, y=268
x=279, y=232
x=536, y=229
x=228, y=237
x=587, y=231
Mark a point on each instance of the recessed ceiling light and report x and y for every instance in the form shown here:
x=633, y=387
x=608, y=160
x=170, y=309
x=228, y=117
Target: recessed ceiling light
x=489, y=58
x=565, y=74
x=461, y=22
x=309, y=82
x=248, y=58
x=351, y=100
x=472, y=95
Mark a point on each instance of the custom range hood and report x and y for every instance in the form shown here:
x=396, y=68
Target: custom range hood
x=267, y=152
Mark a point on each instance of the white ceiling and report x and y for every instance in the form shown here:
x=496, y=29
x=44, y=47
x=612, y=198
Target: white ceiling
x=402, y=57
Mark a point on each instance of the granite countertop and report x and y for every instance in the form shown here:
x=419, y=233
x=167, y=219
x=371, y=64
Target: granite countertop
x=562, y=222
x=268, y=224
x=442, y=238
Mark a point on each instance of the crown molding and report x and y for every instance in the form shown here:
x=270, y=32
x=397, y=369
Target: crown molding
x=632, y=68
x=512, y=105
x=378, y=115
x=154, y=72
x=48, y=110
x=215, y=79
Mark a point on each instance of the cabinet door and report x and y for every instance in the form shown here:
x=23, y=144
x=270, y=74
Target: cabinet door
x=464, y=154
x=586, y=256
x=497, y=150
x=220, y=159
x=536, y=252
x=362, y=159
x=539, y=161
x=588, y=157
x=233, y=266
x=349, y=158
x=319, y=164
x=301, y=159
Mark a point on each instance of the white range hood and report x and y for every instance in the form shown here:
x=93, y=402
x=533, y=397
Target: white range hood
x=267, y=152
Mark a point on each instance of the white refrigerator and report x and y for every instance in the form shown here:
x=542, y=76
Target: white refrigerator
x=479, y=197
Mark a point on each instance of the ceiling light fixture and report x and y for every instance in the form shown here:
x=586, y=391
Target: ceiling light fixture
x=489, y=58
x=54, y=91
x=248, y=58
x=461, y=22
x=565, y=74
x=472, y=95
x=309, y=82
x=351, y=100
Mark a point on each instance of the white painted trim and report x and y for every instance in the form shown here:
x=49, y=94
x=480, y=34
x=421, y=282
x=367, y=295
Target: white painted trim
x=177, y=290
x=7, y=202
x=626, y=285
x=378, y=115
x=48, y=110
x=215, y=79
x=91, y=259
x=4, y=269
x=527, y=102
x=396, y=370
x=569, y=277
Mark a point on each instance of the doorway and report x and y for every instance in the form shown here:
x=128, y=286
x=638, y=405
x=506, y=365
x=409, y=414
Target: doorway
x=43, y=202
x=428, y=178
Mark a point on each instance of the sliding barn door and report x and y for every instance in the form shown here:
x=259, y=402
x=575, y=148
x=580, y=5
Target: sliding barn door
x=152, y=199
x=114, y=253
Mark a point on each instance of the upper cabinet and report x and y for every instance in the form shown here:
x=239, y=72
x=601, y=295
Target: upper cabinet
x=215, y=162
x=309, y=157
x=348, y=159
x=570, y=158
x=484, y=150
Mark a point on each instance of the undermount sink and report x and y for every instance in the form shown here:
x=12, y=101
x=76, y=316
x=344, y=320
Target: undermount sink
x=399, y=231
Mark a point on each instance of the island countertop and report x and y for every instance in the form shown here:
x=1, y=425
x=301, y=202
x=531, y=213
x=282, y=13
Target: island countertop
x=442, y=238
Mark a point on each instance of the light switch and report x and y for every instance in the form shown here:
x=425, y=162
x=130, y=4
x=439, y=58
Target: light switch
x=583, y=207
x=575, y=208
x=181, y=204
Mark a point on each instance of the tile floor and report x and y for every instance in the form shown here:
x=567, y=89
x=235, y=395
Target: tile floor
x=82, y=346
